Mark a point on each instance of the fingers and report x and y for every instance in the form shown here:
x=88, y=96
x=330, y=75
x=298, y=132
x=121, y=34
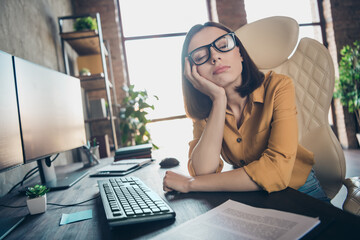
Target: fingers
x=193, y=76
x=165, y=184
x=176, y=182
x=195, y=73
x=171, y=181
x=202, y=84
x=167, y=189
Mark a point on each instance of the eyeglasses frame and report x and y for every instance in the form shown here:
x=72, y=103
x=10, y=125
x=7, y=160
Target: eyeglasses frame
x=232, y=34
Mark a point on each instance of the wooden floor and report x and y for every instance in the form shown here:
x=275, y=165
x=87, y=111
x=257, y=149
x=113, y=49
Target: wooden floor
x=352, y=157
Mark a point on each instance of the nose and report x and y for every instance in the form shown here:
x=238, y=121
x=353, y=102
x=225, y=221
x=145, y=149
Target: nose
x=214, y=55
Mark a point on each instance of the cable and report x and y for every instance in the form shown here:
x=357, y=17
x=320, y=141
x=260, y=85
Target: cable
x=28, y=175
x=54, y=204
x=74, y=204
x=7, y=206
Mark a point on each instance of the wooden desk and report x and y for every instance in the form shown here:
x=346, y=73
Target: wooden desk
x=335, y=223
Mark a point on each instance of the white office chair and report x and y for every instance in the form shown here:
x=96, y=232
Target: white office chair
x=270, y=42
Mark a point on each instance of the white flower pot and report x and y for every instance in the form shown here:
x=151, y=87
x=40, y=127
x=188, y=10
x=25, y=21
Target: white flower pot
x=36, y=205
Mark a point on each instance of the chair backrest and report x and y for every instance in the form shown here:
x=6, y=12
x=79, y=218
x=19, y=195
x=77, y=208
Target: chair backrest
x=270, y=43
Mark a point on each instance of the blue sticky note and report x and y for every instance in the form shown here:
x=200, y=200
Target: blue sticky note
x=75, y=217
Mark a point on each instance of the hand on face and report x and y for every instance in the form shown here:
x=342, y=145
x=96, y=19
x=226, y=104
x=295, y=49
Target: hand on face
x=176, y=182
x=200, y=83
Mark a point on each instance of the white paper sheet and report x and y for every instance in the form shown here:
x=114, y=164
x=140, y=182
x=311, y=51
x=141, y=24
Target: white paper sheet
x=234, y=220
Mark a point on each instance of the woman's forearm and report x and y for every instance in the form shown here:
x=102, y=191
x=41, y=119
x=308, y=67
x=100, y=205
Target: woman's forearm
x=206, y=154
x=235, y=180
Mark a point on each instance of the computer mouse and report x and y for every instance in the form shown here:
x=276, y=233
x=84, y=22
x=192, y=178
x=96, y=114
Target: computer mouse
x=169, y=162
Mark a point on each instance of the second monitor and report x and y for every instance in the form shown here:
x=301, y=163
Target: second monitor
x=51, y=117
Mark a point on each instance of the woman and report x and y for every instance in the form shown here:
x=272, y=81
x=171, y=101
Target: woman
x=242, y=115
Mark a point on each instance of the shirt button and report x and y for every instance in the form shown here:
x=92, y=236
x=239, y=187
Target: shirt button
x=238, y=140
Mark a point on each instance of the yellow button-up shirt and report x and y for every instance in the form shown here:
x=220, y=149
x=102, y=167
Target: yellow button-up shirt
x=266, y=144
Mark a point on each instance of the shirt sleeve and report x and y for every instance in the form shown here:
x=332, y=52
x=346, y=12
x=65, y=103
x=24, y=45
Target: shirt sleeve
x=272, y=171
x=198, y=128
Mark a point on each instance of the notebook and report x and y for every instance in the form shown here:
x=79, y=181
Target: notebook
x=122, y=168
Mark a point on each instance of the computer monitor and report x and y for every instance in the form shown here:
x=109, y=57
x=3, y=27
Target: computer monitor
x=11, y=154
x=51, y=118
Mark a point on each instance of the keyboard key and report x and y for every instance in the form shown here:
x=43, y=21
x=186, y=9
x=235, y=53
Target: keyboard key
x=155, y=210
x=164, y=209
x=130, y=213
x=117, y=213
x=147, y=210
x=138, y=211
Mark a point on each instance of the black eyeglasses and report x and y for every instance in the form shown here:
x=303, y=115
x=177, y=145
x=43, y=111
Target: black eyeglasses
x=225, y=43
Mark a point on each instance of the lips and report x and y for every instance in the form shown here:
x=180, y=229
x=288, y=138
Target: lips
x=220, y=69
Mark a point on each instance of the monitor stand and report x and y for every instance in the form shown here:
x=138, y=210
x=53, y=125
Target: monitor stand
x=58, y=181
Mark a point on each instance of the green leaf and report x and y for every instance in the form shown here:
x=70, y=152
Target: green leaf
x=36, y=191
x=133, y=118
x=348, y=84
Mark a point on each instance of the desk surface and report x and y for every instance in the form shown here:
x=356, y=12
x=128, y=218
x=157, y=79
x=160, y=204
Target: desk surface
x=335, y=223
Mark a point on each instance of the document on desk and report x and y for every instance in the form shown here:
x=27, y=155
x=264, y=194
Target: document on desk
x=234, y=220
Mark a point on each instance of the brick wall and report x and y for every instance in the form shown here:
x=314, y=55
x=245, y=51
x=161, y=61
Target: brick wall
x=346, y=21
x=231, y=13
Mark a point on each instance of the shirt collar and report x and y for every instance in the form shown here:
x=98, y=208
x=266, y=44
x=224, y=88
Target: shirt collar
x=258, y=94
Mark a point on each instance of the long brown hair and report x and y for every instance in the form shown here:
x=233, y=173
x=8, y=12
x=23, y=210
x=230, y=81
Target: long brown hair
x=197, y=104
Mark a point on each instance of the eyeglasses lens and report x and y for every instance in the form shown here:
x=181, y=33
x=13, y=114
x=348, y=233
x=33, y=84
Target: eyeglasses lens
x=225, y=43
x=200, y=56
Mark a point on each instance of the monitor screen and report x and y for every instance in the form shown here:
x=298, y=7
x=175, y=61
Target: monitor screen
x=10, y=139
x=50, y=109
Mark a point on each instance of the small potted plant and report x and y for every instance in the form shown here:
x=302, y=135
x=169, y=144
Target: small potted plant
x=85, y=23
x=36, y=201
x=84, y=72
x=94, y=149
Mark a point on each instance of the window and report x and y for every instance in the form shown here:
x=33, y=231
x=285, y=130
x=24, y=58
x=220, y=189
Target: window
x=154, y=32
x=305, y=12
